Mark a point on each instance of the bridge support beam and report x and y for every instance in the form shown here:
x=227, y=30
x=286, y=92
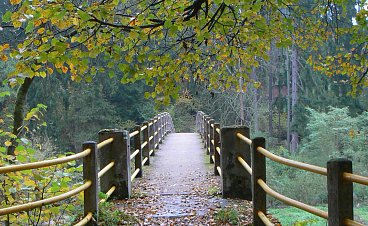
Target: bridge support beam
x=236, y=182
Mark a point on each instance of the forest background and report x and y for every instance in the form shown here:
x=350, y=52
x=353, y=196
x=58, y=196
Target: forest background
x=305, y=90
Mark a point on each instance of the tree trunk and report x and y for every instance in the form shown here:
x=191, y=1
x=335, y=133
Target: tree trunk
x=294, y=96
x=270, y=111
x=255, y=102
x=18, y=113
x=287, y=67
x=241, y=101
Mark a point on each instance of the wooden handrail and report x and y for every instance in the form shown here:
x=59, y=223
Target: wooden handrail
x=245, y=139
x=104, y=143
x=296, y=164
x=206, y=128
x=245, y=165
x=85, y=220
x=105, y=169
x=132, y=134
x=108, y=194
x=89, y=155
x=35, y=204
x=355, y=178
x=292, y=202
x=264, y=218
x=45, y=163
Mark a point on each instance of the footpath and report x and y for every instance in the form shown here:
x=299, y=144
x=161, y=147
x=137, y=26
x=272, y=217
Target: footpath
x=179, y=188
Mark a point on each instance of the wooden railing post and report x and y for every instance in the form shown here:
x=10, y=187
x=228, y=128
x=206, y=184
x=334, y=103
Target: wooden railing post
x=164, y=124
x=119, y=152
x=216, y=138
x=205, y=132
x=156, y=132
x=236, y=182
x=152, y=134
x=340, y=192
x=258, y=172
x=161, y=135
x=90, y=173
x=208, y=127
x=146, y=149
x=211, y=146
x=137, y=146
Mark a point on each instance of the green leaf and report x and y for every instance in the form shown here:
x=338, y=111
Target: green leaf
x=7, y=16
x=167, y=24
x=5, y=93
x=83, y=15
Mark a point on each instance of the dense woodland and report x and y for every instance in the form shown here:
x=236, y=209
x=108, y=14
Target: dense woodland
x=293, y=72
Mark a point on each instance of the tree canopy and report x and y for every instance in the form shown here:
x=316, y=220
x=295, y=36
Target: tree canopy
x=165, y=42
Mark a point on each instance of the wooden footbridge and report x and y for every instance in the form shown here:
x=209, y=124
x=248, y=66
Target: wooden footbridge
x=112, y=165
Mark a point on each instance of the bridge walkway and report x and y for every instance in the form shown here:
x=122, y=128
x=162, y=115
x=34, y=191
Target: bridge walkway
x=179, y=187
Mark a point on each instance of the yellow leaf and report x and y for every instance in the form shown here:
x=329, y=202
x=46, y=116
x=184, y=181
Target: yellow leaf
x=50, y=70
x=17, y=24
x=28, y=183
x=8, y=143
x=64, y=69
x=3, y=57
x=15, y=2
x=41, y=30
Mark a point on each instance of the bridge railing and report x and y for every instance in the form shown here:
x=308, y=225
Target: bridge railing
x=240, y=161
x=106, y=166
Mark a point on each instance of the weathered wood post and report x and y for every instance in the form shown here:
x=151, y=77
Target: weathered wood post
x=258, y=172
x=146, y=149
x=340, y=192
x=155, y=126
x=137, y=147
x=90, y=173
x=208, y=130
x=161, y=134
x=212, y=145
x=118, y=152
x=205, y=132
x=236, y=182
x=152, y=137
x=216, y=138
x=208, y=138
x=164, y=124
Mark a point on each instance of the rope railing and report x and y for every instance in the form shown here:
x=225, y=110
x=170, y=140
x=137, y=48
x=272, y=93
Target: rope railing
x=222, y=144
x=113, y=143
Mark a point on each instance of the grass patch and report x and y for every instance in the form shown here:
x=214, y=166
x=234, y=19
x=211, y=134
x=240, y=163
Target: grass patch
x=110, y=215
x=227, y=216
x=296, y=217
